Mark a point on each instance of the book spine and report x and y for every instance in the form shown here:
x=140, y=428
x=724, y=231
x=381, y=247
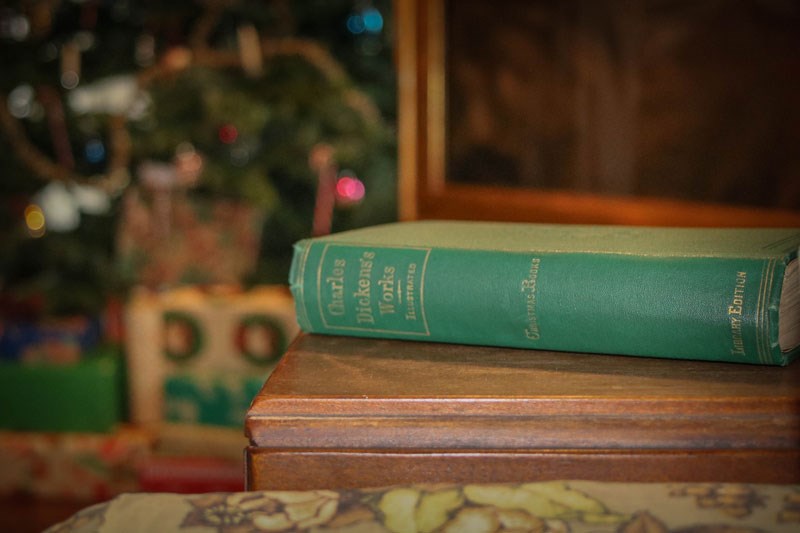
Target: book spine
x=722, y=309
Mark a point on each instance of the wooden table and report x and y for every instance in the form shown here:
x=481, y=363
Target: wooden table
x=341, y=412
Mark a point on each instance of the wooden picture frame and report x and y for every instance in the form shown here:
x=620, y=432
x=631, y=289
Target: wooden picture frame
x=426, y=187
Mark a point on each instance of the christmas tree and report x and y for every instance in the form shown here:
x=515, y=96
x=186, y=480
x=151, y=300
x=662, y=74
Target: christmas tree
x=287, y=106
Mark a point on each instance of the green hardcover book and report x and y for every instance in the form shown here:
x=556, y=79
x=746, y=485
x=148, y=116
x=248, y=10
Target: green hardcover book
x=684, y=293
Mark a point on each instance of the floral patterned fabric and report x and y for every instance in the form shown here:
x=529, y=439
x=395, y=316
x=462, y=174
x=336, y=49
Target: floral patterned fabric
x=558, y=507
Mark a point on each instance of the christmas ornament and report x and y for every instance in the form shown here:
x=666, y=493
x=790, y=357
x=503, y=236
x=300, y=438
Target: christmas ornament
x=14, y=26
x=34, y=220
x=367, y=20
x=91, y=200
x=61, y=205
x=95, y=151
x=228, y=134
x=60, y=210
x=114, y=95
x=188, y=165
x=21, y=101
x=349, y=189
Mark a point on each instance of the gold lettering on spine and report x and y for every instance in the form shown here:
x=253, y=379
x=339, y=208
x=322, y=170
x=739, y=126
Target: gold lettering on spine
x=735, y=310
x=335, y=283
x=411, y=310
x=528, y=288
x=360, y=290
x=364, y=314
x=387, y=299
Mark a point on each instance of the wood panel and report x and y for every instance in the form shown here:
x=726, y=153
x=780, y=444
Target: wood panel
x=426, y=185
x=270, y=469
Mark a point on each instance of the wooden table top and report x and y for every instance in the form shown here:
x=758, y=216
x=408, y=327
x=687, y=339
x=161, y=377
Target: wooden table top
x=362, y=393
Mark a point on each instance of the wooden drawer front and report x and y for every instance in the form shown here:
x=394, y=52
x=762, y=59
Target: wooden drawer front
x=305, y=469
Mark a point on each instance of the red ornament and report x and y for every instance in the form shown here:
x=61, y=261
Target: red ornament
x=350, y=190
x=228, y=134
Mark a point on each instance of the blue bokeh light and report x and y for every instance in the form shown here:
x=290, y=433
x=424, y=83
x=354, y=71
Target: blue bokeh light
x=369, y=20
x=355, y=24
x=373, y=20
x=95, y=151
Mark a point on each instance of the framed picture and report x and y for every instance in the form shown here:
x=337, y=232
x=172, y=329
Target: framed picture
x=651, y=112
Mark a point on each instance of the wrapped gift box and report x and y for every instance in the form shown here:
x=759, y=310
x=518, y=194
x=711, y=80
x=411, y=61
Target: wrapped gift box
x=171, y=238
x=199, y=355
x=62, y=340
x=73, y=466
x=85, y=396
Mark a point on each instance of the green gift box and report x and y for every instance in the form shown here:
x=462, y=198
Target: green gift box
x=85, y=396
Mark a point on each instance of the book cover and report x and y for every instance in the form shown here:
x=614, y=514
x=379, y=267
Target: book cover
x=720, y=294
